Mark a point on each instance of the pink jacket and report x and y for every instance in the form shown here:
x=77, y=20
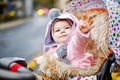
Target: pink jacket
x=76, y=50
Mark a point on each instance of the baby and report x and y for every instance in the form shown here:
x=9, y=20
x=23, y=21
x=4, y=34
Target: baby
x=74, y=35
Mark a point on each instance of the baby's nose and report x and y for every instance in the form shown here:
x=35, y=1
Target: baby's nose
x=62, y=30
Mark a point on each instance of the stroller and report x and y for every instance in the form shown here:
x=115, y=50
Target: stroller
x=105, y=71
x=27, y=74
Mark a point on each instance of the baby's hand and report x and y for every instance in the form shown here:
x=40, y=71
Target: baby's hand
x=85, y=24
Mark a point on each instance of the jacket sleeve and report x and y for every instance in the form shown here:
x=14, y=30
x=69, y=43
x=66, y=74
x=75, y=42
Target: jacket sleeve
x=77, y=44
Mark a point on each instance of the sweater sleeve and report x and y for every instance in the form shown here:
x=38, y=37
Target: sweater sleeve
x=78, y=42
x=76, y=50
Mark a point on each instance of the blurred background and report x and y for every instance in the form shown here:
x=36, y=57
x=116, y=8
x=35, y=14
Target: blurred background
x=22, y=26
x=16, y=9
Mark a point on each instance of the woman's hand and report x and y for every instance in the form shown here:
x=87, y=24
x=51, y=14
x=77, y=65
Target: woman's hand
x=85, y=24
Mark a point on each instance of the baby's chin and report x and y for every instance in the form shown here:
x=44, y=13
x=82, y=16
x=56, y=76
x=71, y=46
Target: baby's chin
x=63, y=39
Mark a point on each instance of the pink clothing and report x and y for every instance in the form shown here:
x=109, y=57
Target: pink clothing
x=76, y=50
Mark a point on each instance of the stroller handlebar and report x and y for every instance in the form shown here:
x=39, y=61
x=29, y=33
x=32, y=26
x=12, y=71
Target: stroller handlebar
x=12, y=68
x=7, y=75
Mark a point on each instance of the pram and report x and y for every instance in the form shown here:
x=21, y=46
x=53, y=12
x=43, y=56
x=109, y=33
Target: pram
x=105, y=72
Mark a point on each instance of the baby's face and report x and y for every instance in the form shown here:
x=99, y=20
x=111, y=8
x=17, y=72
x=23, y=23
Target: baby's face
x=61, y=30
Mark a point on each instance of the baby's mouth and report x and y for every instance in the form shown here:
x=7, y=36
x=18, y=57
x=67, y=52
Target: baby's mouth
x=62, y=36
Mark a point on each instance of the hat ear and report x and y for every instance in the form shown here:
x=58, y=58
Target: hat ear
x=53, y=13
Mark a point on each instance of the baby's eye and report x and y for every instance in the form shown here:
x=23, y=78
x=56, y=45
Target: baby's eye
x=57, y=30
x=67, y=27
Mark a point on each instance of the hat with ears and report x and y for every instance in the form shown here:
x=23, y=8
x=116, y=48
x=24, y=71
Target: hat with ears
x=56, y=15
x=79, y=5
